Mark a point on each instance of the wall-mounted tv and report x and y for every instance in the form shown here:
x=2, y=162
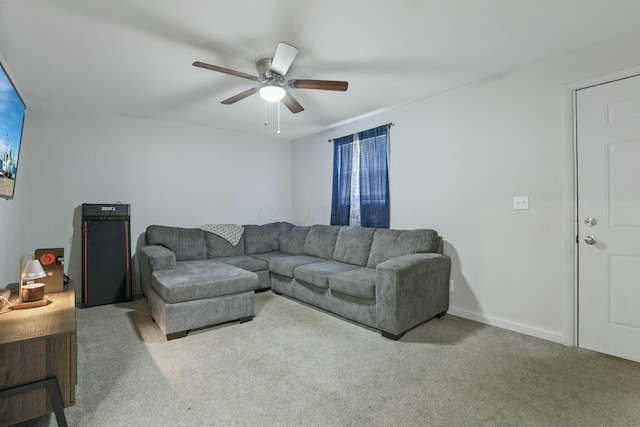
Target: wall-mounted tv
x=11, y=121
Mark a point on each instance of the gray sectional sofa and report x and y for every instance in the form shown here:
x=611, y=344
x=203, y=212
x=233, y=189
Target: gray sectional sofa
x=390, y=280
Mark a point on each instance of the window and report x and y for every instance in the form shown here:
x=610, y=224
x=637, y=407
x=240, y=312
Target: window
x=361, y=179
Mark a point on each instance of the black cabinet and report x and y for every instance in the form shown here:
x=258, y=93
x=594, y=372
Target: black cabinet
x=106, y=254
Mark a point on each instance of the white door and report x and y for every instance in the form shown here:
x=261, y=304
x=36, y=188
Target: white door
x=608, y=147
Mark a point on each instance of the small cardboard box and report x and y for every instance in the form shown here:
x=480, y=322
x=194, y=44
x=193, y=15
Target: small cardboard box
x=52, y=260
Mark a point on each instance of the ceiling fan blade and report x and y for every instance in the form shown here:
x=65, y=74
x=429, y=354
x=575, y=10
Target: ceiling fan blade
x=225, y=70
x=240, y=96
x=292, y=103
x=283, y=58
x=319, y=84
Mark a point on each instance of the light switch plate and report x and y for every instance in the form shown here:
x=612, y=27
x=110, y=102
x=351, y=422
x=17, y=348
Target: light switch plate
x=521, y=202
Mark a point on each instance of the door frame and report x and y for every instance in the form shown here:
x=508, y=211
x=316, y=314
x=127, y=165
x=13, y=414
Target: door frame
x=570, y=184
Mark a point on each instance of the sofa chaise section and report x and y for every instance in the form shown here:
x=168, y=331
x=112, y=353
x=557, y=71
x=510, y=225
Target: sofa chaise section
x=200, y=293
x=189, y=289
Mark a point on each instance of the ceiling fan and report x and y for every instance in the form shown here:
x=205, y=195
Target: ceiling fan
x=271, y=74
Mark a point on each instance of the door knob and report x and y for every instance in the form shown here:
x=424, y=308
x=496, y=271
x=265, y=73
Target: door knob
x=590, y=240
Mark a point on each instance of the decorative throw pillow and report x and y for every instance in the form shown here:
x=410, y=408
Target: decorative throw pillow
x=185, y=243
x=321, y=240
x=353, y=245
x=292, y=239
x=259, y=239
x=389, y=244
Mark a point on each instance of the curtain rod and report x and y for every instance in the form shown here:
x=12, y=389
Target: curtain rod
x=388, y=125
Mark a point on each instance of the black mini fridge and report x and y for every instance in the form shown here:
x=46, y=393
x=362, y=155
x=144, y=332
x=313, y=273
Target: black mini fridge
x=106, y=254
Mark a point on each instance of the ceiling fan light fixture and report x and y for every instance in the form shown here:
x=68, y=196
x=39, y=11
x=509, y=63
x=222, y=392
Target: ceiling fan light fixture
x=272, y=93
x=271, y=82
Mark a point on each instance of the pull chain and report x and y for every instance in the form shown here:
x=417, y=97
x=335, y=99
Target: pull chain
x=266, y=114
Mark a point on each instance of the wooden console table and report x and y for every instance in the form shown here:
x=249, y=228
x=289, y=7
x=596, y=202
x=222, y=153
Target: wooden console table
x=38, y=350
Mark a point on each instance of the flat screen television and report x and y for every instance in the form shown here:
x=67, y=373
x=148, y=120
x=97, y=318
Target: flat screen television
x=11, y=122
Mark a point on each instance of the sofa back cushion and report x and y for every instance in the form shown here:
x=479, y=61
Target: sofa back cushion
x=389, y=244
x=292, y=238
x=185, y=243
x=353, y=245
x=259, y=239
x=220, y=247
x=321, y=240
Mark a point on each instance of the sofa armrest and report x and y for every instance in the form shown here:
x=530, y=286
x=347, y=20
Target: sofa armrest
x=411, y=289
x=153, y=258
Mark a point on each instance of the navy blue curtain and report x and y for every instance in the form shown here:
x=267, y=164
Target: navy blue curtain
x=342, y=162
x=374, y=177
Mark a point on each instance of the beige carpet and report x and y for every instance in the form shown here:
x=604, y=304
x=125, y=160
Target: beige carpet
x=297, y=366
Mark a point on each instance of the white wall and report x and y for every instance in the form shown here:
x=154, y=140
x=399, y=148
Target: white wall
x=169, y=173
x=12, y=212
x=12, y=234
x=457, y=160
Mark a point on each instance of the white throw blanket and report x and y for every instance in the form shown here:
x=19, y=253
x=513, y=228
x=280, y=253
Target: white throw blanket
x=230, y=232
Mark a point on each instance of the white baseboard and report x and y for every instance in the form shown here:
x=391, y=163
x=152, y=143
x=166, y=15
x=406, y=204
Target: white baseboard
x=512, y=326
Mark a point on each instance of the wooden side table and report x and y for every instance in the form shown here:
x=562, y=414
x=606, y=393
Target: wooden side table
x=37, y=351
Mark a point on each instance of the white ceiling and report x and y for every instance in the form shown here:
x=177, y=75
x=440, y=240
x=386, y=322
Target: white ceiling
x=134, y=56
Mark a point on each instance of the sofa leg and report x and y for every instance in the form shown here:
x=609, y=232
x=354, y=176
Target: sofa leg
x=176, y=335
x=245, y=319
x=392, y=336
x=441, y=315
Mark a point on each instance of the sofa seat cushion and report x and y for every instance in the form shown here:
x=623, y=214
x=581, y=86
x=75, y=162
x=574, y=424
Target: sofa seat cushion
x=286, y=265
x=245, y=262
x=360, y=283
x=268, y=256
x=318, y=273
x=193, y=280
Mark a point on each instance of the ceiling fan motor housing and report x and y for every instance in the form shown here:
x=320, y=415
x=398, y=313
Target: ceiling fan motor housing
x=264, y=71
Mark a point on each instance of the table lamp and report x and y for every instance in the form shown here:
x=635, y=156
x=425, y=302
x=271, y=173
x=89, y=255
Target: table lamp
x=32, y=270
